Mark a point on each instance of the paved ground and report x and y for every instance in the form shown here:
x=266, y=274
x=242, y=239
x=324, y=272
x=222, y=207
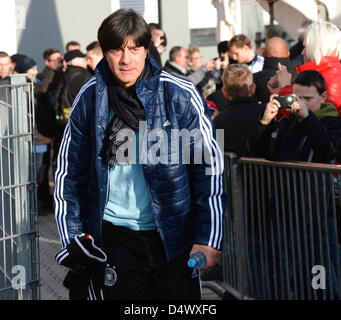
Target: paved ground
x=52, y=275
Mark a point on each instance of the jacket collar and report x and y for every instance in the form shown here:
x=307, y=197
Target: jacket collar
x=253, y=61
x=272, y=63
x=327, y=110
x=243, y=100
x=176, y=68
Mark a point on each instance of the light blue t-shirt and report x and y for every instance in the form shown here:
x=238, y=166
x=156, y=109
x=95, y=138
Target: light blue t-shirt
x=129, y=202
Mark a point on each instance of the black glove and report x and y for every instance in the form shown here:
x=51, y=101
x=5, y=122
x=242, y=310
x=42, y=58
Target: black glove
x=87, y=263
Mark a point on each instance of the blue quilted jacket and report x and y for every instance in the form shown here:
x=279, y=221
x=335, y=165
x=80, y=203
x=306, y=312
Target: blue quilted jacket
x=187, y=202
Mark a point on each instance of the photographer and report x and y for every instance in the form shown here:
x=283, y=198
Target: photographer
x=300, y=136
x=306, y=135
x=209, y=83
x=51, y=79
x=52, y=73
x=158, y=42
x=322, y=53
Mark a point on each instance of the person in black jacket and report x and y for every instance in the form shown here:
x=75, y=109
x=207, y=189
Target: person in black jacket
x=147, y=229
x=74, y=77
x=52, y=73
x=307, y=134
x=243, y=111
x=47, y=92
x=276, y=51
x=238, y=89
x=301, y=136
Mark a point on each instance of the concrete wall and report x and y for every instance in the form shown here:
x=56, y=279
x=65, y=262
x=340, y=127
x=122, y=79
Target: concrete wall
x=174, y=19
x=52, y=23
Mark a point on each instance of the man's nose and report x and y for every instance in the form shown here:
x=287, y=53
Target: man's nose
x=125, y=58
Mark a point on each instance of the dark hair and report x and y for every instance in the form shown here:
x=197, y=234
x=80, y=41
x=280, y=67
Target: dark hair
x=16, y=57
x=72, y=43
x=48, y=52
x=223, y=47
x=121, y=24
x=92, y=45
x=311, y=78
x=154, y=26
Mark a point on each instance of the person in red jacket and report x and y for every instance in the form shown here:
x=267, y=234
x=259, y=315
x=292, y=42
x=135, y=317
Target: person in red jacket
x=322, y=53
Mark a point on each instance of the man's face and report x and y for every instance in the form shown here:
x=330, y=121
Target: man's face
x=5, y=67
x=127, y=62
x=242, y=55
x=54, y=60
x=310, y=96
x=156, y=37
x=196, y=60
x=93, y=59
x=182, y=60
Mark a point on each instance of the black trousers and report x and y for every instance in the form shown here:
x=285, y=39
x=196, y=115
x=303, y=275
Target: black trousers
x=143, y=272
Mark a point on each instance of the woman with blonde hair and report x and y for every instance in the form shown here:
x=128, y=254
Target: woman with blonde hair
x=208, y=84
x=195, y=58
x=322, y=53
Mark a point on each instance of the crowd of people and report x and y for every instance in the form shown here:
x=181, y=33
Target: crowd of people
x=239, y=89
x=55, y=89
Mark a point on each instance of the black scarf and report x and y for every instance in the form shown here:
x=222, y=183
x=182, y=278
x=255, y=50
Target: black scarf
x=128, y=110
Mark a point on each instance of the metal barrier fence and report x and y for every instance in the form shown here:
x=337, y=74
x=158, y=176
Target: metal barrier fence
x=19, y=252
x=282, y=231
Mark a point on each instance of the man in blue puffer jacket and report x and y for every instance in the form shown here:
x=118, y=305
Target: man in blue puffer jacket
x=149, y=215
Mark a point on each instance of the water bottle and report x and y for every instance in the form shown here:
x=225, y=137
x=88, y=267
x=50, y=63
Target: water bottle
x=197, y=261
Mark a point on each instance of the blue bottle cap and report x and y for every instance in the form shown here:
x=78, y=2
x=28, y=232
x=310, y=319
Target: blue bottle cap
x=191, y=263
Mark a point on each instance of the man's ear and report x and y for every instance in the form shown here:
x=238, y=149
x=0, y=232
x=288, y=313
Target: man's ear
x=324, y=96
x=225, y=93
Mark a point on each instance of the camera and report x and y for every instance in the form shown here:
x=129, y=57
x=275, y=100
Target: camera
x=286, y=101
x=164, y=43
